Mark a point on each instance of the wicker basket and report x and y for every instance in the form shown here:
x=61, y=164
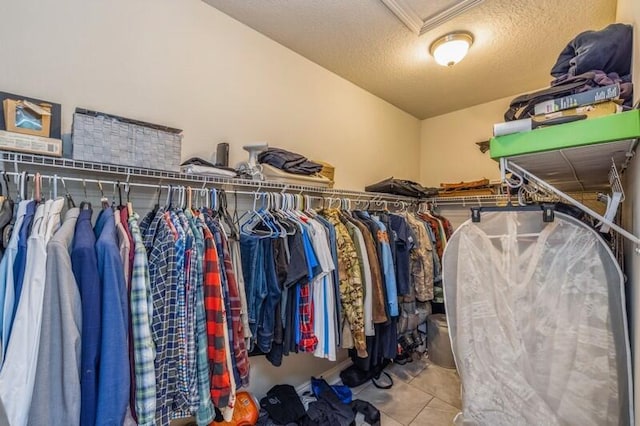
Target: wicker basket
x=327, y=171
x=116, y=140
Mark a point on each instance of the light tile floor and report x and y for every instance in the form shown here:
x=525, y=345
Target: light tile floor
x=423, y=394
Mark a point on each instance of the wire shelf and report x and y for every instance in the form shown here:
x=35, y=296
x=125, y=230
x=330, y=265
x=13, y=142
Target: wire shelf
x=167, y=176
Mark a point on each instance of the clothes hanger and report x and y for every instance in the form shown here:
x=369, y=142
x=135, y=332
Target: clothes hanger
x=24, y=180
x=85, y=204
x=70, y=203
x=257, y=217
x=180, y=197
x=547, y=209
x=113, y=195
x=189, y=198
x=214, y=202
x=129, y=203
x=5, y=178
x=104, y=201
x=271, y=220
x=119, y=194
x=3, y=189
x=37, y=187
x=286, y=215
x=53, y=187
x=169, y=201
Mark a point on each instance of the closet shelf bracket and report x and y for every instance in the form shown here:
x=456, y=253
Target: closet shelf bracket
x=508, y=166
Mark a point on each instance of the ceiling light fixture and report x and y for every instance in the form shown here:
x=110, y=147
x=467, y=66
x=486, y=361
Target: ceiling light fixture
x=450, y=49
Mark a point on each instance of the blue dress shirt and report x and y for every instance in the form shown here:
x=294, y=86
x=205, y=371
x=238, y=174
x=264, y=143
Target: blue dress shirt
x=21, y=258
x=85, y=269
x=113, y=377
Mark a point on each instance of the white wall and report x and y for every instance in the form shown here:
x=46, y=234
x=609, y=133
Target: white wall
x=629, y=12
x=448, y=150
x=186, y=65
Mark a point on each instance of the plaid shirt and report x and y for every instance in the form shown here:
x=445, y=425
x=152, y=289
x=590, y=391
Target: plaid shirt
x=159, y=242
x=308, y=341
x=191, y=270
x=141, y=319
x=181, y=406
x=205, y=412
x=216, y=324
x=215, y=229
x=239, y=347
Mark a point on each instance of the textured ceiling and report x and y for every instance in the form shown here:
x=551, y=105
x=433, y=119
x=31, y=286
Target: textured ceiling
x=516, y=43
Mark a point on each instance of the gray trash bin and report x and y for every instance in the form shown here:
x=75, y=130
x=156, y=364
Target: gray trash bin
x=438, y=342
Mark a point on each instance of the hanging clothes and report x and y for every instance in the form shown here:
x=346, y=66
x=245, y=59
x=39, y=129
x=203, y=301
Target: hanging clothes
x=351, y=290
x=421, y=261
x=158, y=314
x=163, y=274
x=521, y=357
x=113, y=376
x=18, y=371
x=84, y=263
x=7, y=279
x=141, y=319
x=56, y=389
x=216, y=324
x=20, y=262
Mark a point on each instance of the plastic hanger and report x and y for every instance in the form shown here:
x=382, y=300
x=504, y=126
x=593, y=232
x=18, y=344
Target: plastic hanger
x=169, y=201
x=24, y=180
x=3, y=189
x=256, y=217
x=119, y=194
x=127, y=190
x=5, y=178
x=224, y=213
x=189, y=198
x=70, y=203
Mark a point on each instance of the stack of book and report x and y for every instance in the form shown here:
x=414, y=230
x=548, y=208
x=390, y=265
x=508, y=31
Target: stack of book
x=592, y=103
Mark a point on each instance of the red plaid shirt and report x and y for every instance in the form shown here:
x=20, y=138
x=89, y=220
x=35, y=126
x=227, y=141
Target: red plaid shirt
x=308, y=341
x=216, y=324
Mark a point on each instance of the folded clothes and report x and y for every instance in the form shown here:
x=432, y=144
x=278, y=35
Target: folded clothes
x=290, y=162
x=208, y=171
x=271, y=173
x=198, y=166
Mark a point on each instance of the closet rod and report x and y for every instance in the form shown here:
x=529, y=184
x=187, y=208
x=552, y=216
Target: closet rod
x=123, y=184
x=467, y=199
x=63, y=179
x=137, y=172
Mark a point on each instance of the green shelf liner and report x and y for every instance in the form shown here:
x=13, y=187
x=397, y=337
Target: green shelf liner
x=615, y=127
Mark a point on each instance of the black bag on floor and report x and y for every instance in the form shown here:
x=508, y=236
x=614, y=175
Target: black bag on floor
x=353, y=376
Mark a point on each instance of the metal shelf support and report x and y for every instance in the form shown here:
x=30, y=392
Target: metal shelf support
x=508, y=166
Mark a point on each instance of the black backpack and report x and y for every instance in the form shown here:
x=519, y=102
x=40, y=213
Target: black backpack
x=354, y=376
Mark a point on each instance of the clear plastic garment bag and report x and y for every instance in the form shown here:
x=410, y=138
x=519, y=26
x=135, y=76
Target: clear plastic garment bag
x=537, y=321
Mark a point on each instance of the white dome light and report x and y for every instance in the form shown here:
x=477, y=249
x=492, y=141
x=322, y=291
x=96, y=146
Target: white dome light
x=451, y=48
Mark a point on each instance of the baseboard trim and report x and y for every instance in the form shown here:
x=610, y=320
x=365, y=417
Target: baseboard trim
x=332, y=376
